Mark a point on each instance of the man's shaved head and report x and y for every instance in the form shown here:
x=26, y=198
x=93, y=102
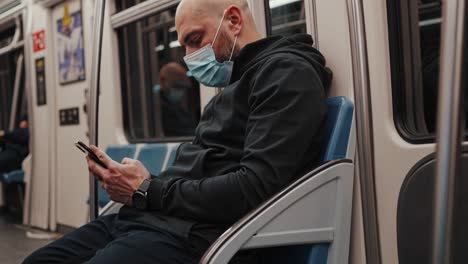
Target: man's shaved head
x=198, y=20
x=212, y=7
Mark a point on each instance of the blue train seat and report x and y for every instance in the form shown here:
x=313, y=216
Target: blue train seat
x=117, y=153
x=311, y=238
x=172, y=155
x=339, y=120
x=338, y=126
x=286, y=224
x=153, y=157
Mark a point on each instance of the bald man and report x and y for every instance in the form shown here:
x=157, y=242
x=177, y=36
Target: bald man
x=262, y=131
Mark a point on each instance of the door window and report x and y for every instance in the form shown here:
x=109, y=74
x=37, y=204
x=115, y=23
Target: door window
x=414, y=34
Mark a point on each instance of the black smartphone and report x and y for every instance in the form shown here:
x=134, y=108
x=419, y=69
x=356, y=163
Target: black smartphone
x=83, y=147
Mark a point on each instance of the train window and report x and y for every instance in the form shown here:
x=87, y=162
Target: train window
x=8, y=67
x=160, y=102
x=285, y=17
x=414, y=33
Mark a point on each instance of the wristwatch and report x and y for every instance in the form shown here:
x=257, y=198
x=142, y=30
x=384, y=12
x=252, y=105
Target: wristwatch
x=139, y=196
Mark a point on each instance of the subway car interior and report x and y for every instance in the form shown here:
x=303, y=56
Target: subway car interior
x=390, y=186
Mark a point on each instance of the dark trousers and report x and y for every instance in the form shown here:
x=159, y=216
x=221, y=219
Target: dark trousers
x=9, y=160
x=109, y=239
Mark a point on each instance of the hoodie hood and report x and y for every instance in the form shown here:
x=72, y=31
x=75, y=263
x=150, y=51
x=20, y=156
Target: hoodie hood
x=299, y=45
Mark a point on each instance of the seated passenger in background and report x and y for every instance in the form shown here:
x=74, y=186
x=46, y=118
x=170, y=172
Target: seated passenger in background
x=264, y=129
x=14, y=147
x=174, y=87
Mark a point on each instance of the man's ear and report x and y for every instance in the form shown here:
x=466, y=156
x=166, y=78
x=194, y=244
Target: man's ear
x=235, y=17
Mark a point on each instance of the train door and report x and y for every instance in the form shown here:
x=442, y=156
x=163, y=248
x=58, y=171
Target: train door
x=403, y=47
x=71, y=33
x=13, y=99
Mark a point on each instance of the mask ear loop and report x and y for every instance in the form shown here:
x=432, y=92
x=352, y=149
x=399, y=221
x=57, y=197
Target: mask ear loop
x=233, y=47
x=219, y=27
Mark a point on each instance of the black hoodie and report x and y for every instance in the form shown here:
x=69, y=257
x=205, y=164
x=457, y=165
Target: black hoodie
x=263, y=130
x=16, y=140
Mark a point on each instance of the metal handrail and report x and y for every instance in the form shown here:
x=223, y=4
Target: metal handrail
x=14, y=42
x=93, y=100
x=14, y=104
x=449, y=128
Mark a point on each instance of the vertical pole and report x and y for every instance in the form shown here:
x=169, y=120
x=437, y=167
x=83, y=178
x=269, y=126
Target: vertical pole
x=93, y=100
x=449, y=128
x=16, y=90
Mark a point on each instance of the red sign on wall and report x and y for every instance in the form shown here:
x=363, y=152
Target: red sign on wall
x=38, y=41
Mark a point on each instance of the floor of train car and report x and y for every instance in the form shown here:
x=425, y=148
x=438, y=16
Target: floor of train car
x=14, y=243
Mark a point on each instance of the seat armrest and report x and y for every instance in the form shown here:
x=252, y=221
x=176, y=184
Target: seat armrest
x=110, y=208
x=324, y=190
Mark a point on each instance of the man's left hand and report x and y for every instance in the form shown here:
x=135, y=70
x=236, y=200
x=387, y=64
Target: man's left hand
x=120, y=181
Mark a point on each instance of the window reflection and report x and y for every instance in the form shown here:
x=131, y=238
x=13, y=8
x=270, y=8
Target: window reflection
x=429, y=33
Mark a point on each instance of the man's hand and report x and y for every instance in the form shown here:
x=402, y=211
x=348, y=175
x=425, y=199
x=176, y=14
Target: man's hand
x=120, y=181
x=2, y=133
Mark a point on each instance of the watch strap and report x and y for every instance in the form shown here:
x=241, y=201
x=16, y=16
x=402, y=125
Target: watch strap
x=144, y=186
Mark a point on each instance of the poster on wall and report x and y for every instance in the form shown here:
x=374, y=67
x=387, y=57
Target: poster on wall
x=40, y=82
x=70, y=45
x=38, y=41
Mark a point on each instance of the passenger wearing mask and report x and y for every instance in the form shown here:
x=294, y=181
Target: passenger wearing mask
x=263, y=130
x=174, y=86
x=14, y=147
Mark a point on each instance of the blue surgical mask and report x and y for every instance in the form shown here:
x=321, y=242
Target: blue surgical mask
x=175, y=95
x=204, y=67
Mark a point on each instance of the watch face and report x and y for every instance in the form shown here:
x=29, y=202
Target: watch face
x=139, y=200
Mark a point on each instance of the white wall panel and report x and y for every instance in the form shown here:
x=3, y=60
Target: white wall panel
x=39, y=190
x=71, y=172
x=334, y=43
x=110, y=114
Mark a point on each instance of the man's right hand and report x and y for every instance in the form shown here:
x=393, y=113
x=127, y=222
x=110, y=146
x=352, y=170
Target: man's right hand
x=2, y=133
x=120, y=181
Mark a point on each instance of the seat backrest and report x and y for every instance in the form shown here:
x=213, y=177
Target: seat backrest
x=339, y=121
x=172, y=155
x=338, y=128
x=118, y=153
x=153, y=157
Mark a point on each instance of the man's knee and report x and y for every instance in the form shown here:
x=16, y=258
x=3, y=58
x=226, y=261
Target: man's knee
x=77, y=246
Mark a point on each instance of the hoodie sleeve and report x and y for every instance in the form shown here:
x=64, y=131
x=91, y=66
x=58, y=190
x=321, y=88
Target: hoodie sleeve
x=287, y=109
